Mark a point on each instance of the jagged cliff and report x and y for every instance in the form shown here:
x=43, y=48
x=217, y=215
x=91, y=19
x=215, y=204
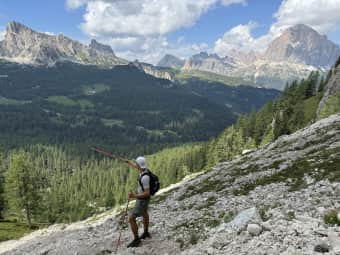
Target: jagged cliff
x=270, y=201
x=24, y=45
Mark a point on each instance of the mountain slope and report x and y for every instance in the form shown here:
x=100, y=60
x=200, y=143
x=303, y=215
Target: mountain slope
x=23, y=45
x=70, y=103
x=249, y=205
x=302, y=44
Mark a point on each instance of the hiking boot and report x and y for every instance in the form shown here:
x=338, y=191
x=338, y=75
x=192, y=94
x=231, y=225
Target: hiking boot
x=145, y=235
x=134, y=243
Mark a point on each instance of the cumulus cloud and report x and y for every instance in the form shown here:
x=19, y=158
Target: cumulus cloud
x=238, y=37
x=139, y=28
x=322, y=15
x=141, y=17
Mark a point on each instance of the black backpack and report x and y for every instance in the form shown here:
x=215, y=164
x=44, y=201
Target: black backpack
x=154, y=182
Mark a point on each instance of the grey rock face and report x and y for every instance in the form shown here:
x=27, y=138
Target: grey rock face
x=302, y=44
x=210, y=63
x=105, y=49
x=171, y=61
x=155, y=71
x=23, y=45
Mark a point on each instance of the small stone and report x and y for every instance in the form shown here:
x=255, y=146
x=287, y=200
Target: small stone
x=322, y=248
x=254, y=229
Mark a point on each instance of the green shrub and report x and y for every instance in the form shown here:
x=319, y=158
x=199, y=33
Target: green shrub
x=331, y=218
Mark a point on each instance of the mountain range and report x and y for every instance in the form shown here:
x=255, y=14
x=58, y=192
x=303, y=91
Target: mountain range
x=293, y=55
x=23, y=45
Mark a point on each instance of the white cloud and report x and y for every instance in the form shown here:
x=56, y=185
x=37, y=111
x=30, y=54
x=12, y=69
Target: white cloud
x=139, y=28
x=141, y=17
x=322, y=15
x=73, y=4
x=229, y=2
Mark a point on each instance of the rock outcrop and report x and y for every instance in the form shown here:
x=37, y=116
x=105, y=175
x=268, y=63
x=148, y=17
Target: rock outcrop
x=270, y=201
x=210, y=63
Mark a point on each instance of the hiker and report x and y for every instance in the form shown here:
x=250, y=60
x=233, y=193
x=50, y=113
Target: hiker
x=142, y=201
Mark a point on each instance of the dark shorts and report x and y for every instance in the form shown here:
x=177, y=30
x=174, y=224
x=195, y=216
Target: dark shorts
x=140, y=208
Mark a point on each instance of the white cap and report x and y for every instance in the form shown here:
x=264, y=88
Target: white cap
x=141, y=162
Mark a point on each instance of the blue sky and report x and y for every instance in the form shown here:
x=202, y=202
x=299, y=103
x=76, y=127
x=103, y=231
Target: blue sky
x=147, y=29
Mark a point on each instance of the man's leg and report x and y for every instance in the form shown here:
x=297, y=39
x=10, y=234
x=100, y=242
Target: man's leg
x=134, y=226
x=146, y=221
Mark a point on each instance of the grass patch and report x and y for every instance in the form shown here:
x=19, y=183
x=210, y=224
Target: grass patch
x=112, y=122
x=15, y=230
x=208, y=185
x=212, y=77
x=94, y=89
x=9, y=101
x=331, y=218
x=62, y=100
x=328, y=163
x=68, y=102
x=332, y=106
x=291, y=215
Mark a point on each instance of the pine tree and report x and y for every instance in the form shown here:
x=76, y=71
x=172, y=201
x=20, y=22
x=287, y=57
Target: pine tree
x=21, y=186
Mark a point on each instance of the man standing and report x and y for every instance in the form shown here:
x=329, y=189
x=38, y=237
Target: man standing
x=142, y=201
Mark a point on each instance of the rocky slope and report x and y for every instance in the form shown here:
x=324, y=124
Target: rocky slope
x=22, y=44
x=269, y=201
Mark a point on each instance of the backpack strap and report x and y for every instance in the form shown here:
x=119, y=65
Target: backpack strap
x=140, y=178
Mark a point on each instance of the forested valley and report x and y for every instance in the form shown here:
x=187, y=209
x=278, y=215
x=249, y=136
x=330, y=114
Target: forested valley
x=45, y=181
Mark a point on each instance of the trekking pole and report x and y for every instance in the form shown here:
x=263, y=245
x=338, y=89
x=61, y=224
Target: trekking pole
x=121, y=229
x=108, y=154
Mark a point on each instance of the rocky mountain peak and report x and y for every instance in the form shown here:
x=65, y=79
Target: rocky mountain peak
x=106, y=49
x=171, y=61
x=302, y=44
x=16, y=27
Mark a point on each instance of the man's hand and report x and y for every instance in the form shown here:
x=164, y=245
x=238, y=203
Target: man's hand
x=132, y=195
